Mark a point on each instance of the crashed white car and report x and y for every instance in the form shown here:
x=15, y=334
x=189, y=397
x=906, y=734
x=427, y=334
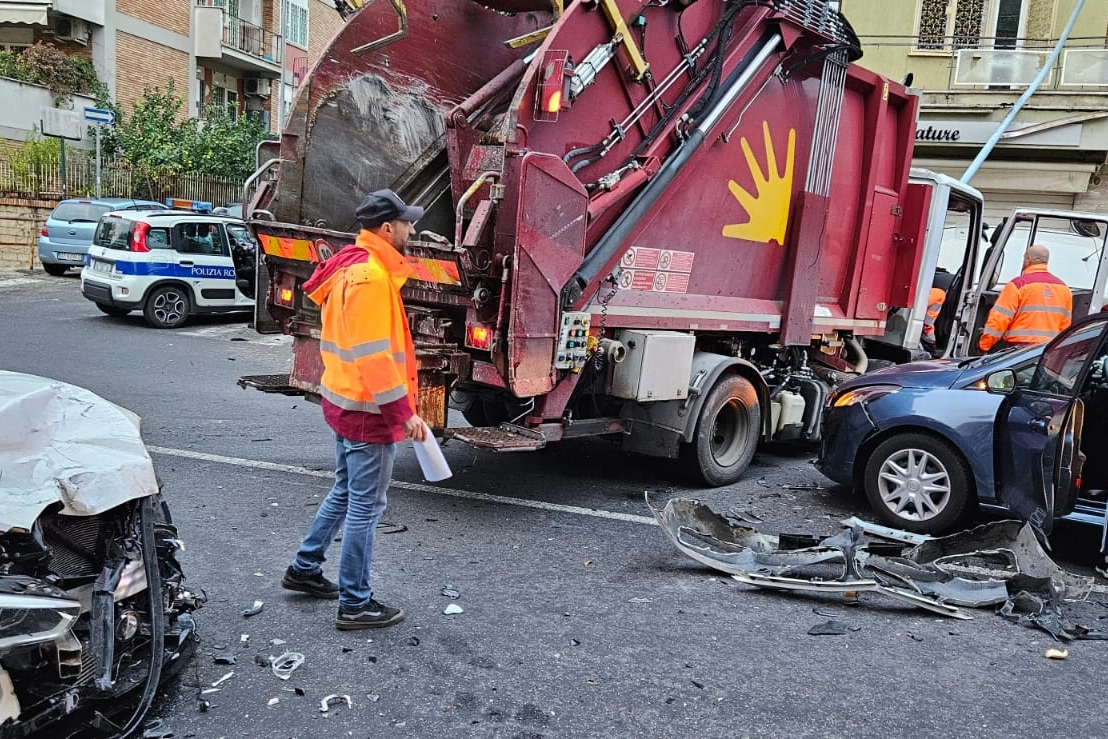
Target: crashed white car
x=85, y=537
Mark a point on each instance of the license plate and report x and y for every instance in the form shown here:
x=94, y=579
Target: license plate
x=101, y=267
x=70, y=256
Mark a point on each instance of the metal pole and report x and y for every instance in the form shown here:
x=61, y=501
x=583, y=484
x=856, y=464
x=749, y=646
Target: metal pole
x=98, y=127
x=61, y=162
x=1047, y=67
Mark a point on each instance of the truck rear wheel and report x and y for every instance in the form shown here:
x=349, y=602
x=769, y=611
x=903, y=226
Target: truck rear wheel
x=726, y=434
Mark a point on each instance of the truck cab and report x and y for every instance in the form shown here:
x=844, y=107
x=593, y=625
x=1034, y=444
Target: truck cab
x=971, y=264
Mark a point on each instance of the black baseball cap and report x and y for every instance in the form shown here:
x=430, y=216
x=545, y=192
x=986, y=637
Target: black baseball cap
x=383, y=206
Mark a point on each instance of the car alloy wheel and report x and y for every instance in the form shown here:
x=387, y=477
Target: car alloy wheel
x=917, y=482
x=167, y=307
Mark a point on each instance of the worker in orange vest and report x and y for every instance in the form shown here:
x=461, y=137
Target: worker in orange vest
x=934, y=305
x=1032, y=308
x=369, y=401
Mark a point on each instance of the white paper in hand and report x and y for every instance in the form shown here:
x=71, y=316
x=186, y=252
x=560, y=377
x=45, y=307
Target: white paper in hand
x=430, y=457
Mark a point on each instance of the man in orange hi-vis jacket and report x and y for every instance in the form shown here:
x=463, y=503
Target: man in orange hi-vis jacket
x=934, y=305
x=1032, y=309
x=369, y=401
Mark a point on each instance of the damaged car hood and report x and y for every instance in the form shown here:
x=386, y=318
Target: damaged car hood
x=938, y=373
x=62, y=443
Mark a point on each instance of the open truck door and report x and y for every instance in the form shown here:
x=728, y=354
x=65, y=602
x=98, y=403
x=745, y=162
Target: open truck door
x=1076, y=242
x=1039, y=426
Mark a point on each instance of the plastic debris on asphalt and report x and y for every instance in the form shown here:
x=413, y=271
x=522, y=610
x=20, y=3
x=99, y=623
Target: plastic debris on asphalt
x=453, y=609
x=332, y=700
x=284, y=665
x=828, y=628
x=253, y=610
x=450, y=591
x=223, y=679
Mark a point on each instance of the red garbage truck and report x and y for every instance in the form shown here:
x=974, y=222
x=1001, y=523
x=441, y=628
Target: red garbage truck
x=673, y=223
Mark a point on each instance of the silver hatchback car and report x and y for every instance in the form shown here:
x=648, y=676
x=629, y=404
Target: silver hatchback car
x=66, y=236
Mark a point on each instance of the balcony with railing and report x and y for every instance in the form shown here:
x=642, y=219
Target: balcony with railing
x=238, y=43
x=961, y=64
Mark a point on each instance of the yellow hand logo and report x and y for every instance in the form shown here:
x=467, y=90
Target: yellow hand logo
x=769, y=207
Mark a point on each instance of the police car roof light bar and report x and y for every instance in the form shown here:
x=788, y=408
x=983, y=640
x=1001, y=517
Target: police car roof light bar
x=199, y=206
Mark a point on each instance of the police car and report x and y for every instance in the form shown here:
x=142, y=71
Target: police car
x=170, y=264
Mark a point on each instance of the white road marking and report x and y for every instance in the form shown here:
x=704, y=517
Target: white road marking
x=13, y=281
x=419, y=487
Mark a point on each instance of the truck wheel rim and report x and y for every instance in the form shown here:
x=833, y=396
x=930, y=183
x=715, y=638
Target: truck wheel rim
x=728, y=432
x=914, y=485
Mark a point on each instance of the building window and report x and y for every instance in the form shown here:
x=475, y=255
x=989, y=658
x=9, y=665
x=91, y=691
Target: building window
x=231, y=6
x=224, y=101
x=294, y=22
x=16, y=40
x=970, y=24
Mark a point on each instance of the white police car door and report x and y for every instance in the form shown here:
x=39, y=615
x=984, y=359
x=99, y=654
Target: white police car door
x=204, y=259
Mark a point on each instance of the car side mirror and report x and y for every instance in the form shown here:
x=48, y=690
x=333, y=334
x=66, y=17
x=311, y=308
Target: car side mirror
x=1001, y=382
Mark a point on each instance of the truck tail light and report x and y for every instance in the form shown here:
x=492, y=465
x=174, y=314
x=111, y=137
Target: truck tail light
x=550, y=97
x=138, y=237
x=284, y=293
x=479, y=337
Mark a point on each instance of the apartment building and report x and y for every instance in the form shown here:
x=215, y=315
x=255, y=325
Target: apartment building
x=244, y=56
x=971, y=60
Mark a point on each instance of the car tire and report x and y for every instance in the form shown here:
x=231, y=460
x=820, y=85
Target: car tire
x=167, y=306
x=111, y=310
x=900, y=472
x=727, y=431
x=55, y=270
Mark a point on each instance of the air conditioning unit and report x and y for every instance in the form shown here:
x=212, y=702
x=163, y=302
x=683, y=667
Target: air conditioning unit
x=71, y=29
x=256, y=86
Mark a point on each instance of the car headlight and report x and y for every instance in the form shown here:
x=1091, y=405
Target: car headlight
x=863, y=395
x=31, y=619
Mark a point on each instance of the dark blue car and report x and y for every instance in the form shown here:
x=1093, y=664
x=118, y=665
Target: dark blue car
x=1019, y=433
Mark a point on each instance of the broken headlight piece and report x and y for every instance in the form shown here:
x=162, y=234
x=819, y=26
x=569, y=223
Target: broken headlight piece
x=866, y=394
x=34, y=619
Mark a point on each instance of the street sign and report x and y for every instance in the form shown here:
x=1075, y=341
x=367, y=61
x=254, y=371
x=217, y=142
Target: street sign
x=100, y=115
x=62, y=123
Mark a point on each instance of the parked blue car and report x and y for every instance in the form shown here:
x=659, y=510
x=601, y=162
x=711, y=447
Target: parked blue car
x=67, y=234
x=1019, y=433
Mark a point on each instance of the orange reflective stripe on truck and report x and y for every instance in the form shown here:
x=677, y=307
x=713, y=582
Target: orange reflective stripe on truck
x=288, y=248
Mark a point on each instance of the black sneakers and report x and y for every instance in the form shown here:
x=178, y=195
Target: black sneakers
x=372, y=615
x=315, y=585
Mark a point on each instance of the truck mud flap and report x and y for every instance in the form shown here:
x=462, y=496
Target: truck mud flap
x=503, y=438
x=270, y=384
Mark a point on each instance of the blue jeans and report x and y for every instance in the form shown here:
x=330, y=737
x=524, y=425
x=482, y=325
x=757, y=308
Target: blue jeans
x=362, y=475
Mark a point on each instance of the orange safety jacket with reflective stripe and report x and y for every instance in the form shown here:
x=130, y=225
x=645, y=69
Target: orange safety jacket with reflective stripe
x=934, y=305
x=369, y=364
x=1032, y=309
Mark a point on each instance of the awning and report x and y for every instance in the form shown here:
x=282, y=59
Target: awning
x=32, y=12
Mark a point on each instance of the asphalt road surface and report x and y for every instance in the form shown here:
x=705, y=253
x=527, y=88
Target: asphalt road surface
x=579, y=617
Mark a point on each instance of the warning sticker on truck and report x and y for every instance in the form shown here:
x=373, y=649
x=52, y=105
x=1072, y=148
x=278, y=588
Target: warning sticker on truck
x=655, y=270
